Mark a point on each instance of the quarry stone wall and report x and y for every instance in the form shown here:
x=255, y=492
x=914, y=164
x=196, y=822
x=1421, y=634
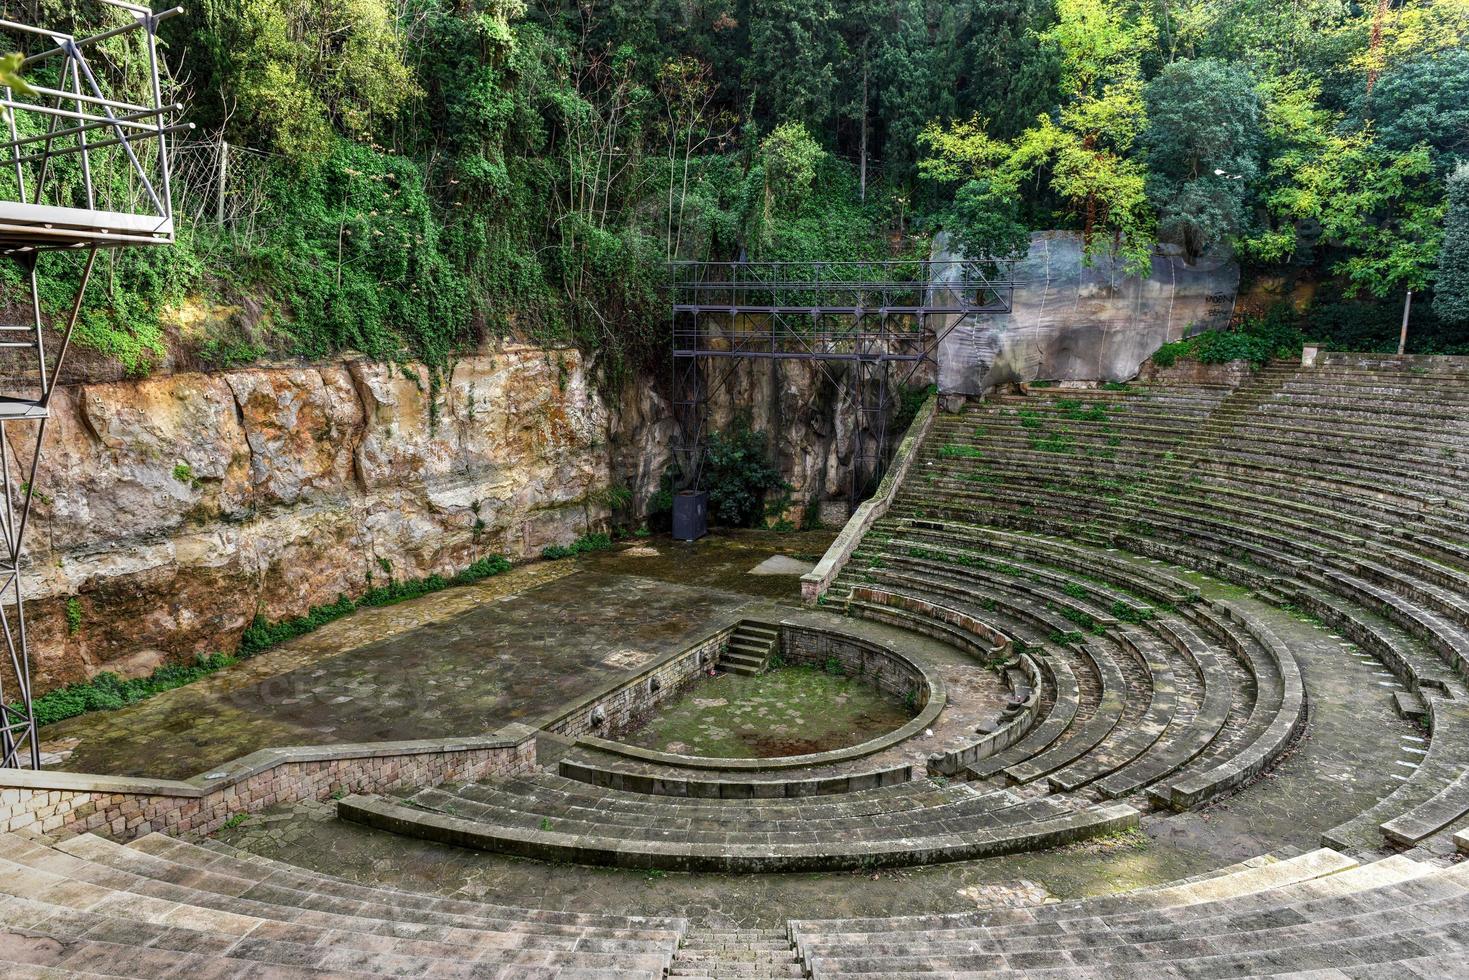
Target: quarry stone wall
x=1074, y=320
x=173, y=509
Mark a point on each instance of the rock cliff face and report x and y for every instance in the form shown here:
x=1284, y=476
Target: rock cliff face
x=174, y=509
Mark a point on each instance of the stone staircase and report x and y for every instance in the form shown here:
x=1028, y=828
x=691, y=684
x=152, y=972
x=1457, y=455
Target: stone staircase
x=714, y=954
x=750, y=648
x=159, y=907
x=1319, y=914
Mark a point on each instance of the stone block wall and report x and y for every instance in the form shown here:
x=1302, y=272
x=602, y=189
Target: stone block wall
x=63, y=805
x=625, y=704
x=889, y=673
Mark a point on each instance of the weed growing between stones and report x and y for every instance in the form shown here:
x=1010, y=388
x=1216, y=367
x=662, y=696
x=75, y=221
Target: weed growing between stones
x=959, y=451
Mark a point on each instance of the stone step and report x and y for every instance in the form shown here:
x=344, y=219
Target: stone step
x=922, y=835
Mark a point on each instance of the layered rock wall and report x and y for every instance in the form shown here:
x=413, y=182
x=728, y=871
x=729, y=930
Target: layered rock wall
x=170, y=511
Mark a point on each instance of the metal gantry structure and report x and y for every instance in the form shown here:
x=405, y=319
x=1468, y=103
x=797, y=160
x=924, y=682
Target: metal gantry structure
x=86, y=169
x=882, y=320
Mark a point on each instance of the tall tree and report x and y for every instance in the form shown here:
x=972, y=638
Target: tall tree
x=906, y=86
x=1203, y=118
x=285, y=73
x=1423, y=99
x=1379, y=212
x=1451, y=291
x=796, y=53
x=1084, y=147
x=1005, y=71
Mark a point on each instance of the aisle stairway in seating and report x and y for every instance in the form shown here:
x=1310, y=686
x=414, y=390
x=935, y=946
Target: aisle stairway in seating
x=1334, y=491
x=717, y=954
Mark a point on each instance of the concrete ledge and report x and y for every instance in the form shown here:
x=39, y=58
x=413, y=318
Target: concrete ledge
x=815, y=582
x=633, y=781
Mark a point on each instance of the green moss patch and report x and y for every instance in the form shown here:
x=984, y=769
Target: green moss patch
x=787, y=711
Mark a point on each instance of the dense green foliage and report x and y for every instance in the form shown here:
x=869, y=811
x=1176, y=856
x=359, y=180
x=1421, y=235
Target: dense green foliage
x=584, y=545
x=738, y=476
x=1451, y=301
x=1277, y=334
x=408, y=178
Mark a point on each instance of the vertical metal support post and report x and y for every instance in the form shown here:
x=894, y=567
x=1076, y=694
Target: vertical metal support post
x=1403, y=334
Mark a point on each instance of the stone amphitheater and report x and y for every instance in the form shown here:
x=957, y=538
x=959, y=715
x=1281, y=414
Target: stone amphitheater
x=1186, y=664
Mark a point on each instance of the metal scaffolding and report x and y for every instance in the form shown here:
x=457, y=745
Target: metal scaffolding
x=53, y=199
x=879, y=318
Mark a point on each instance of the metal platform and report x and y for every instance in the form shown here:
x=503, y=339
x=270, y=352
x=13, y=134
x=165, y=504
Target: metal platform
x=60, y=141
x=871, y=319
x=43, y=226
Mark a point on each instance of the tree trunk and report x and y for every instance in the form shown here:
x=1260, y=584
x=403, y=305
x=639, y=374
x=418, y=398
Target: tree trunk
x=864, y=124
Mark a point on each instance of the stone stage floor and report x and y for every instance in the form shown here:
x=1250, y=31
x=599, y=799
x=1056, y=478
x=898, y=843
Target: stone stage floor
x=459, y=662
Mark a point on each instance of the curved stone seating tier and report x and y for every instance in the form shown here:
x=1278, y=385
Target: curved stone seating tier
x=163, y=907
x=1224, y=729
x=1277, y=716
x=1344, y=508
x=1369, y=466
x=1086, y=566
x=549, y=818
x=1320, y=912
x=1435, y=794
x=612, y=772
x=1337, y=490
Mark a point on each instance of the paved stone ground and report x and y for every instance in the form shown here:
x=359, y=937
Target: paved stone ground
x=458, y=662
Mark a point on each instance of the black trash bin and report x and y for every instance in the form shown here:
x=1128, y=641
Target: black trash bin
x=690, y=515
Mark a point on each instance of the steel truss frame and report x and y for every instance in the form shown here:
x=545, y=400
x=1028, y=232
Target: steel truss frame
x=40, y=212
x=882, y=319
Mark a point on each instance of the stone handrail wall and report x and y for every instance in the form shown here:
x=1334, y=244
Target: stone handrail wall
x=622, y=702
x=64, y=804
x=815, y=582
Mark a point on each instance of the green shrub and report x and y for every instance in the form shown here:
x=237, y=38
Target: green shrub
x=262, y=635
x=738, y=475
x=108, y=692
x=584, y=545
